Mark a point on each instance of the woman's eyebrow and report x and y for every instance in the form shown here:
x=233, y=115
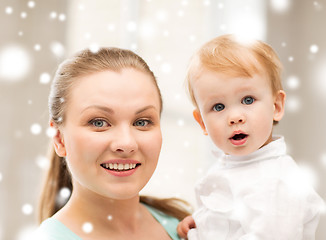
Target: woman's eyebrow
x=103, y=108
x=145, y=108
x=110, y=110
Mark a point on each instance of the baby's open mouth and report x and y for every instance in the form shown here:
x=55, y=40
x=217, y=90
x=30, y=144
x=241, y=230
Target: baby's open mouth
x=239, y=136
x=119, y=167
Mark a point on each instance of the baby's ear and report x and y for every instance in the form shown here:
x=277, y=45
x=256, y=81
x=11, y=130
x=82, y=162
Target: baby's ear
x=198, y=118
x=279, y=102
x=58, y=141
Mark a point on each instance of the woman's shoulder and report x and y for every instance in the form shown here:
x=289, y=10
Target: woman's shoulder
x=168, y=222
x=53, y=229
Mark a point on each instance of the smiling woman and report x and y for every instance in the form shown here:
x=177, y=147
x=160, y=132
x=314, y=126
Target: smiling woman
x=105, y=108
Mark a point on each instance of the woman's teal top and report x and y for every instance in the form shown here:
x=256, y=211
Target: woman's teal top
x=53, y=229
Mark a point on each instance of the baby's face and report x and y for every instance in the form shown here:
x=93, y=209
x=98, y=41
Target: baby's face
x=237, y=113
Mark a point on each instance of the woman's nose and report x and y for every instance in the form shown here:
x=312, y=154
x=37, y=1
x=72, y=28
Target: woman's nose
x=124, y=141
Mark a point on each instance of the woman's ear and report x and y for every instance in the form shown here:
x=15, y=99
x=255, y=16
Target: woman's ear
x=279, y=102
x=198, y=118
x=58, y=141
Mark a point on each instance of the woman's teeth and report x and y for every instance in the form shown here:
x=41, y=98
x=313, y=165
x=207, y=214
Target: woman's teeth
x=119, y=166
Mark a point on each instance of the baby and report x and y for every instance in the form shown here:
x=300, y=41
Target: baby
x=254, y=191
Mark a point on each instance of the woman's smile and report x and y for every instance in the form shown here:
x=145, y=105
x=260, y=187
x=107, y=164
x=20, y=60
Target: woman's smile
x=121, y=167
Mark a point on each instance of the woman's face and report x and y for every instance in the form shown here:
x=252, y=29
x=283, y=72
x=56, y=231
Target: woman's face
x=111, y=135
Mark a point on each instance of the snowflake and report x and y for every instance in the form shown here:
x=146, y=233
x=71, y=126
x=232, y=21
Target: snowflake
x=14, y=62
x=65, y=193
x=45, y=78
x=87, y=227
x=36, y=129
x=293, y=82
x=9, y=10
x=23, y=15
x=31, y=4
x=293, y=104
x=37, y=47
x=27, y=209
x=314, y=48
x=57, y=49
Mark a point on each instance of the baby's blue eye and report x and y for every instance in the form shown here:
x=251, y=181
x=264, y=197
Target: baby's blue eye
x=218, y=107
x=248, y=100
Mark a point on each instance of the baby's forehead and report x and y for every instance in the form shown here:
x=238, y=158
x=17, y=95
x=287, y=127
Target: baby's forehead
x=210, y=80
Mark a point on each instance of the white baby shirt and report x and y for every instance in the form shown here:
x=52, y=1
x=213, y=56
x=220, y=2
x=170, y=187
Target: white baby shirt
x=261, y=196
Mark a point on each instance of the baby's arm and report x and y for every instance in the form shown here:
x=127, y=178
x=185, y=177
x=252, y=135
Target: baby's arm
x=185, y=225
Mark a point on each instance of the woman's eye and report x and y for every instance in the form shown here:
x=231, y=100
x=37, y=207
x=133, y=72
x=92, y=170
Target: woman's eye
x=142, y=123
x=218, y=107
x=248, y=100
x=98, y=123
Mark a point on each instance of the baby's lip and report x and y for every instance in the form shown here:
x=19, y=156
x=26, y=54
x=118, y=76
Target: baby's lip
x=238, y=135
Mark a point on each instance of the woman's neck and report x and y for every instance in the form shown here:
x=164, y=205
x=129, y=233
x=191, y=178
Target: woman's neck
x=103, y=215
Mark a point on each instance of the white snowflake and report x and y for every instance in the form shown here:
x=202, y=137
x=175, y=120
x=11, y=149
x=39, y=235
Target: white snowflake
x=57, y=49
x=50, y=132
x=65, y=193
x=14, y=62
x=42, y=162
x=23, y=15
x=87, y=227
x=27, y=209
x=94, y=47
x=81, y=7
x=207, y=2
x=280, y=5
x=293, y=104
x=36, y=129
x=180, y=122
x=62, y=17
x=314, y=48
x=31, y=4
x=9, y=10
x=45, y=78
x=293, y=82
x=37, y=47
x=53, y=15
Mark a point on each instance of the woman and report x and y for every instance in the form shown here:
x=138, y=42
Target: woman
x=105, y=108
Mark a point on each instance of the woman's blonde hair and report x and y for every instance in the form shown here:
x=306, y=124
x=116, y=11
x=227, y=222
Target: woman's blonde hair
x=84, y=63
x=234, y=57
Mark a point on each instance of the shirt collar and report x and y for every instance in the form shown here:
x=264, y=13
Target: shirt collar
x=272, y=150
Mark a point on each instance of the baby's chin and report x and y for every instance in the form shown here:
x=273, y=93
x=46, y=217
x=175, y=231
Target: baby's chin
x=241, y=151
